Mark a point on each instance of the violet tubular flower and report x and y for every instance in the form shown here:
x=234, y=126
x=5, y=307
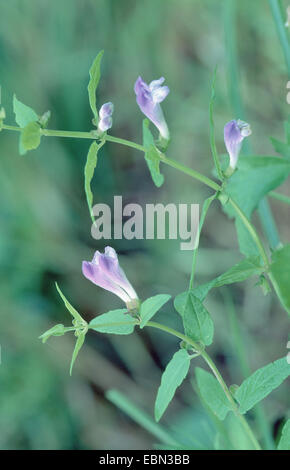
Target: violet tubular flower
x=148, y=98
x=105, y=117
x=104, y=271
x=234, y=134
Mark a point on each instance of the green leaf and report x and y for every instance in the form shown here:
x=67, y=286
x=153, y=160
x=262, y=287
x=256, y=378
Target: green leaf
x=150, y=306
x=281, y=147
x=284, y=443
x=256, y=387
x=197, y=322
x=280, y=271
x=116, y=322
x=152, y=155
x=241, y=271
x=140, y=417
x=255, y=177
x=79, y=342
x=56, y=330
x=212, y=393
x=23, y=116
x=69, y=307
x=174, y=374
x=90, y=166
x=212, y=132
x=95, y=75
x=30, y=136
x=205, y=208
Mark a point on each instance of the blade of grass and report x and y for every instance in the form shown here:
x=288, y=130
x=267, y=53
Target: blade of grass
x=140, y=417
x=211, y=126
x=281, y=30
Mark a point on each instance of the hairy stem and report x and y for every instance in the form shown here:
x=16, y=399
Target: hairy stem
x=217, y=374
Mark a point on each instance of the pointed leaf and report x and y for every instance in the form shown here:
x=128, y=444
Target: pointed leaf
x=174, y=374
x=280, y=270
x=152, y=156
x=255, y=177
x=30, y=136
x=212, y=393
x=79, y=342
x=69, y=307
x=281, y=147
x=95, y=75
x=150, y=306
x=241, y=271
x=117, y=322
x=284, y=443
x=56, y=330
x=197, y=322
x=256, y=387
x=90, y=166
x=23, y=116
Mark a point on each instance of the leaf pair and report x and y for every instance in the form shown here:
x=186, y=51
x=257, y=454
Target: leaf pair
x=80, y=327
x=119, y=322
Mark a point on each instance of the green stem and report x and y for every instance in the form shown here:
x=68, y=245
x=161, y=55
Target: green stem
x=168, y=161
x=280, y=197
x=251, y=229
x=217, y=374
x=109, y=138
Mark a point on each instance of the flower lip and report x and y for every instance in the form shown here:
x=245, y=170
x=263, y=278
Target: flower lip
x=104, y=271
x=148, y=98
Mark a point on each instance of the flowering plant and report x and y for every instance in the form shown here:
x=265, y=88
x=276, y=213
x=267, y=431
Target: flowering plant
x=231, y=187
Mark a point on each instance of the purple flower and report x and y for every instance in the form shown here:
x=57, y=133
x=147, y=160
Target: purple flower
x=234, y=133
x=105, y=272
x=148, y=98
x=105, y=117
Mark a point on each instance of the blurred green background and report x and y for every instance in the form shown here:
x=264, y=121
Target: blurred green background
x=46, y=49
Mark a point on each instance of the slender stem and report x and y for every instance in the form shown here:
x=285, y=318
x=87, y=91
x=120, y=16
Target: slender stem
x=128, y=143
x=168, y=161
x=190, y=172
x=11, y=128
x=69, y=134
x=215, y=371
x=109, y=138
x=251, y=229
x=280, y=197
x=204, y=211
